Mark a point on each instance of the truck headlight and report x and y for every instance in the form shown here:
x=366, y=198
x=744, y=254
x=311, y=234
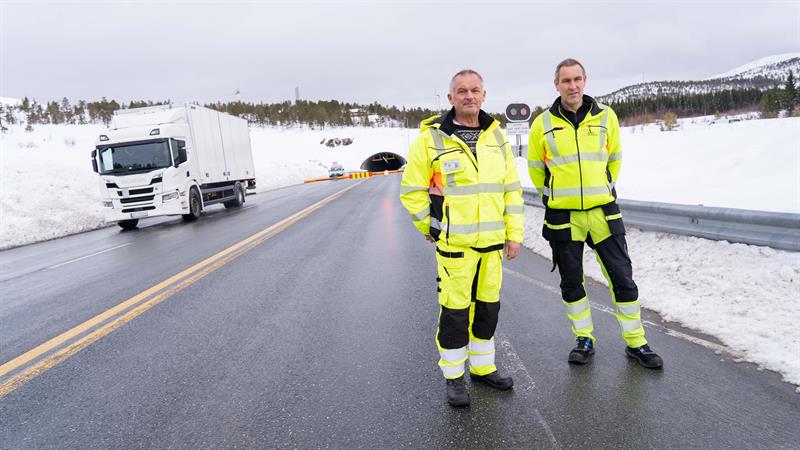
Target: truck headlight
x=107, y=204
x=170, y=196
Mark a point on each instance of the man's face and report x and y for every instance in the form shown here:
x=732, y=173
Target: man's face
x=467, y=94
x=570, y=84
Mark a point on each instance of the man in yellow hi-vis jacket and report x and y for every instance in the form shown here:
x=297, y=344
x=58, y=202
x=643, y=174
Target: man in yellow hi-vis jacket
x=574, y=158
x=462, y=190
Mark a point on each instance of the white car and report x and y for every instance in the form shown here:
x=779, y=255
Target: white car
x=336, y=170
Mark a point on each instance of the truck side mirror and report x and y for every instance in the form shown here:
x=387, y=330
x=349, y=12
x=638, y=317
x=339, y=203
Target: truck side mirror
x=94, y=161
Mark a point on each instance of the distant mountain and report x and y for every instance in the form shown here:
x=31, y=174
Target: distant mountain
x=761, y=74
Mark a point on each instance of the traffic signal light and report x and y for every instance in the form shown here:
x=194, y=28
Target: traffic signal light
x=518, y=112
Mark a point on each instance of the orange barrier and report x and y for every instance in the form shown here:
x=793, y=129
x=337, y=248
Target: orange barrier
x=354, y=176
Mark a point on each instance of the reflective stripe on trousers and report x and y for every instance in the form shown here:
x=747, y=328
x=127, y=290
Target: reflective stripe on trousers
x=580, y=315
x=481, y=356
x=629, y=317
x=451, y=361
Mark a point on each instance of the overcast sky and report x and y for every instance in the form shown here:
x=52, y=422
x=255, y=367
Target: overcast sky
x=400, y=53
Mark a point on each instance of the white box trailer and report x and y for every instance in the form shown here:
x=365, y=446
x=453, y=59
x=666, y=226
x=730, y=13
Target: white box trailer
x=172, y=160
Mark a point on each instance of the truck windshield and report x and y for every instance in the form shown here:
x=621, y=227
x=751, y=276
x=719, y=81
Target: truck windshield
x=135, y=157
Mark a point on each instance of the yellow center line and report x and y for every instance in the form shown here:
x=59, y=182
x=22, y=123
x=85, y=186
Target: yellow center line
x=175, y=284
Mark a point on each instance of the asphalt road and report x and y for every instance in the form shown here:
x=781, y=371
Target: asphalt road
x=322, y=336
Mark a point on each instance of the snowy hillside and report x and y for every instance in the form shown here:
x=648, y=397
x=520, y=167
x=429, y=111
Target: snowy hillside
x=762, y=74
x=775, y=66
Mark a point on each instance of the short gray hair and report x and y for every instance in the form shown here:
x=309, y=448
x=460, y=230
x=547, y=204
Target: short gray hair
x=569, y=62
x=464, y=72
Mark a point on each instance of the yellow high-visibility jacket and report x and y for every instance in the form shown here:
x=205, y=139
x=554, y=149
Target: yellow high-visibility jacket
x=575, y=168
x=457, y=198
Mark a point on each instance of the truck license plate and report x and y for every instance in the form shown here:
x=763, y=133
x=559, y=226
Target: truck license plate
x=139, y=214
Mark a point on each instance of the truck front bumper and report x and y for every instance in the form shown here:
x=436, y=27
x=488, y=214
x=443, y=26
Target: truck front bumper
x=120, y=211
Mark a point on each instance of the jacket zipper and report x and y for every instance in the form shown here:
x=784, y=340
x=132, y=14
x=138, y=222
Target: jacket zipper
x=465, y=151
x=580, y=171
x=578, y=151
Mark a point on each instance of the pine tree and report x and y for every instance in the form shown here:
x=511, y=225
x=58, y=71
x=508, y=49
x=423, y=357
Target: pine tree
x=9, y=116
x=790, y=93
x=30, y=120
x=66, y=110
x=771, y=103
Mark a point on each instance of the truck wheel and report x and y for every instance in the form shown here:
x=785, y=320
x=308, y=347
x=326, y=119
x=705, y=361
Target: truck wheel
x=129, y=224
x=195, y=206
x=239, y=200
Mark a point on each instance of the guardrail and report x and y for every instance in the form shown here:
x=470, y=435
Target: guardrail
x=776, y=230
x=355, y=175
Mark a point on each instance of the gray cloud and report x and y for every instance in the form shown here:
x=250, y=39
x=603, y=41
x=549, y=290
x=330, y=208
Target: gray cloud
x=400, y=53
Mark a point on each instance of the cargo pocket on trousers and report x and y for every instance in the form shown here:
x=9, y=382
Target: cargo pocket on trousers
x=556, y=225
x=453, y=290
x=614, y=219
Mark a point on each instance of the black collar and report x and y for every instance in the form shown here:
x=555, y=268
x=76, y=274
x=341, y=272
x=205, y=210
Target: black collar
x=448, y=127
x=588, y=102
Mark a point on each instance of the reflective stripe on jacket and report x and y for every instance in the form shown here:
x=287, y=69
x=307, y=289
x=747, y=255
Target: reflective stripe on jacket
x=575, y=168
x=477, y=202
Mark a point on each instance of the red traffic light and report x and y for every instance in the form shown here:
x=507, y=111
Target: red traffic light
x=518, y=112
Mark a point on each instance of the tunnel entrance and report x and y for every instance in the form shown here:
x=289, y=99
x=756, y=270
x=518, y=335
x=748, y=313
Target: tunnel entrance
x=383, y=161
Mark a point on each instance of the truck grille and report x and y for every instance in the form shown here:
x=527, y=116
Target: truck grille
x=147, y=190
x=145, y=198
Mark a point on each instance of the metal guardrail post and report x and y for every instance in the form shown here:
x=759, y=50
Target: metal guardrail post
x=771, y=229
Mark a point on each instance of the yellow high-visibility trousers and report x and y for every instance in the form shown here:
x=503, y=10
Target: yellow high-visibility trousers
x=469, y=299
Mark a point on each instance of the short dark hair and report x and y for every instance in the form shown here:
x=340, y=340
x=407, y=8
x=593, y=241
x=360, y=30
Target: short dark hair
x=569, y=62
x=464, y=72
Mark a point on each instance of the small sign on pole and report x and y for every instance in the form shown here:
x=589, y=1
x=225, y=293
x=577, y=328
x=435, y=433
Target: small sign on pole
x=519, y=128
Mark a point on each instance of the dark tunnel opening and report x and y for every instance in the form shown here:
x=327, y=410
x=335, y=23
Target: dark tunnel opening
x=383, y=161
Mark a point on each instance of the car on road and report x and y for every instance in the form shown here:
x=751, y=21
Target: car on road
x=336, y=170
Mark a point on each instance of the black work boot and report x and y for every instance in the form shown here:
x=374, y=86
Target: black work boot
x=457, y=394
x=494, y=380
x=583, y=351
x=644, y=356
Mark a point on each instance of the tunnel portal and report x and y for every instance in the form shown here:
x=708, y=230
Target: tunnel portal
x=383, y=161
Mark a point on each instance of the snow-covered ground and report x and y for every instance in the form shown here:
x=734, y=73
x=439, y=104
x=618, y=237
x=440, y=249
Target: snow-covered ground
x=746, y=296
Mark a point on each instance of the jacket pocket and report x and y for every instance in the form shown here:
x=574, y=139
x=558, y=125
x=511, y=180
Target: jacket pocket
x=614, y=218
x=447, y=215
x=556, y=225
x=434, y=229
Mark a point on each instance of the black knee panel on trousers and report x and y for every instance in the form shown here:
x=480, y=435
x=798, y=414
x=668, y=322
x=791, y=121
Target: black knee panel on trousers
x=453, y=328
x=568, y=256
x=485, y=320
x=613, y=251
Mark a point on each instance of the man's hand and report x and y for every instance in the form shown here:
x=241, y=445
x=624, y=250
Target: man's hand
x=429, y=238
x=512, y=250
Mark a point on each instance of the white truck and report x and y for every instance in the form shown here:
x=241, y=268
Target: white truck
x=170, y=160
